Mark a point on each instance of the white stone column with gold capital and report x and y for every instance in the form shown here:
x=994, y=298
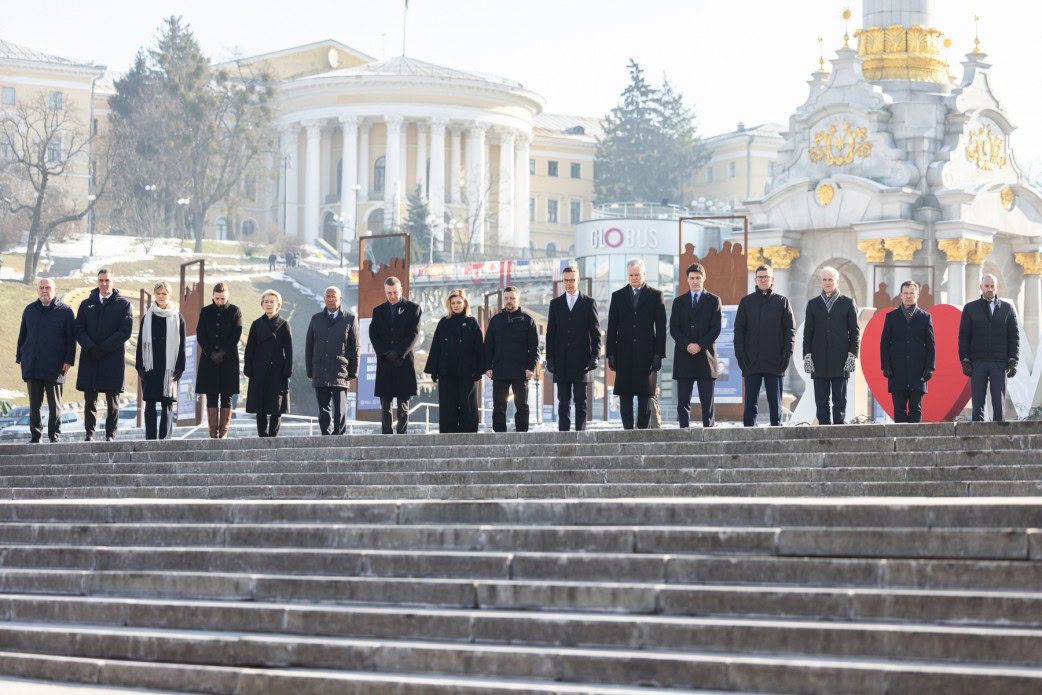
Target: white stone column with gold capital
x=956, y=251
x=780, y=259
x=348, y=180
x=505, y=207
x=436, y=194
x=1031, y=262
x=312, y=181
x=289, y=137
x=875, y=253
x=522, y=191
x=392, y=169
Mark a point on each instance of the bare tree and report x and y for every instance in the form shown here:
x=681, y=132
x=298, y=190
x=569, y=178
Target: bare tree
x=473, y=232
x=42, y=141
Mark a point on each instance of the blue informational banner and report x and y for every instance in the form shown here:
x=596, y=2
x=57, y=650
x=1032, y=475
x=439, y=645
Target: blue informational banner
x=728, y=387
x=366, y=369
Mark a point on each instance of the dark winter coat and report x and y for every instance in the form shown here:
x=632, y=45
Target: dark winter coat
x=268, y=364
x=456, y=349
x=907, y=350
x=573, y=339
x=764, y=333
x=634, y=338
x=46, y=341
x=395, y=373
x=107, y=325
x=700, y=325
x=987, y=337
x=331, y=349
x=511, y=345
x=829, y=336
x=219, y=330
x=152, y=382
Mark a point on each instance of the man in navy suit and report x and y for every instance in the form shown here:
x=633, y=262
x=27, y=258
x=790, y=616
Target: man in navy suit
x=694, y=323
x=573, y=344
x=393, y=332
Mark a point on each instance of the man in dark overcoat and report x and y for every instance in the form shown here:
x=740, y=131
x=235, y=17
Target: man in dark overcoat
x=764, y=338
x=573, y=344
x=989, y=347
x=217, y=335
x=635, y=343
x=907, y=354
x=830, y=345
x=695, y=323
x=331, y=360
x=511, y=355
x=104, y=324
x=46, y=352
x=393, y=332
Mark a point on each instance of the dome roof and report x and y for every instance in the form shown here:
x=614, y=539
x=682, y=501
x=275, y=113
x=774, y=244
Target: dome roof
x=410, y=67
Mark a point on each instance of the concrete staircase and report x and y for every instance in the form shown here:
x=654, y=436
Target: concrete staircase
x=875, y=560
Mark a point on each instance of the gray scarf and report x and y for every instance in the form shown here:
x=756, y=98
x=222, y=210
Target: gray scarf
x=909, y=312
x=829, y=301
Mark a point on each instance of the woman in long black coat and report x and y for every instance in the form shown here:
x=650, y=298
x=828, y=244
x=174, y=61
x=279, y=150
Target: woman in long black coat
x=160, y=360
x=268, y=364
x=456, y=362
x=907, y=354
x=217, y=334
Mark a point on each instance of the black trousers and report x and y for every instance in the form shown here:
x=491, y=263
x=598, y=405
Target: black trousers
x=218, y=400
x=37, y=390
x=908, y=406
x=643, y=411
x=457, y=404
x=166, y=419
x=500, y=394
x=401, y=415
x=565, y=392
x=268, y=425
x=90, y=413
x=985, y=373
x=837, y=387
x=332, y=409
x=772, y=384
x=706, y=394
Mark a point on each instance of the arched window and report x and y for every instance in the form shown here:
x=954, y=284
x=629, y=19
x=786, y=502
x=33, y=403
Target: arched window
x=551, y=249
x=375, y=222
x=379, y=168
x=248, y=228
x=222, y=228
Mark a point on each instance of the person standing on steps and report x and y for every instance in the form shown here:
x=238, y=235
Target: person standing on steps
x=104, y=324
x=573, y=344
x=989, y=347
x=830, y=346
x=393, y=332
x=511, y=355
x=46, y=352
x=694, y=323
x=217, y=334
x=331, y=360
x=635, y=344
x=907, y=354
x=764, y=338
x=268, y=364
x=455, y=363
x=160, y=360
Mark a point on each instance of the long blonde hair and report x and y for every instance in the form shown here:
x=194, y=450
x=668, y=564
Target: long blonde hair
x=466, y=302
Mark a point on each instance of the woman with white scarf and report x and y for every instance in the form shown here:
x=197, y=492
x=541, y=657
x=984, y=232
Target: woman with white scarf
x=160, y=360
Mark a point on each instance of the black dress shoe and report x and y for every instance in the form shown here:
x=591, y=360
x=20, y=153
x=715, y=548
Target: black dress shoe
x=34, y=441
x=89, y=437
x=109, y=437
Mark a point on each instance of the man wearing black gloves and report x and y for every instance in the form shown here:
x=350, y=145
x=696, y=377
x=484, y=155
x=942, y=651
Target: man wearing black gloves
x=830, y=344
x=764, y=338
x=907, y=354
x=393, y=332
x=573, y=344
x=104, y=323
x=989, y=347
x=511, y=355
x=635, y=343
x=695, y=323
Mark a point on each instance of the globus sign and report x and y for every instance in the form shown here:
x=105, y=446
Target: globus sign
x=614, y=238
x=625, y=236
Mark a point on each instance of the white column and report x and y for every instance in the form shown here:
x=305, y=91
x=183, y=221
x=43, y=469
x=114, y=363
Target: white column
x=475, y=182
x=421, y=159
x=1032, y=308
x=974, y=272
x=437, y=185
x=363, y=160
x=454, y=167
x=291, y=159
x=312, y=181
x=392, y=168
x=348, y=199
x=957, y=283
x=522, y=191
x=403, y=188
x=326, y=180
x=505, y=207
x=270, y=194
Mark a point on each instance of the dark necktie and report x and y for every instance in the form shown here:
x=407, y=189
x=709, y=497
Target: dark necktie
x=636, y=298
x=694, y=299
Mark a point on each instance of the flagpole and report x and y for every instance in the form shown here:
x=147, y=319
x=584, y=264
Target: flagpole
x=405, y=16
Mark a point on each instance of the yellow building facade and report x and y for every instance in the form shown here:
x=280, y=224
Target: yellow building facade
x=740, y=166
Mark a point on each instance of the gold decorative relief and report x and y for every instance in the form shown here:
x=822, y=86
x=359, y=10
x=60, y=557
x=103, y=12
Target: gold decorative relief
x=986, y=149
x=979, y=252
x=903, y=248
x=838, y=148
x=956, y=250
x=1009, y=198
x=781, y=256
x=825, y=194
x=1031, y=262
x=754, y=258
x=894, y=39
x=873, y=249
x=902, y=53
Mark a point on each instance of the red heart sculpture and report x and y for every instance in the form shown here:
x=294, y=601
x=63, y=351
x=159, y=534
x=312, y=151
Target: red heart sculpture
x=949, y=388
